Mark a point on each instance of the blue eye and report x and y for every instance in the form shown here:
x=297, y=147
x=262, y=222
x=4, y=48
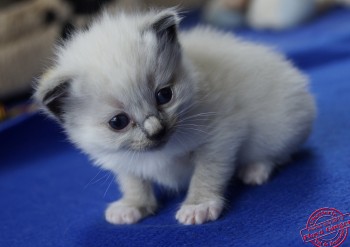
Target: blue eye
x=119, y=121
x=164, y=95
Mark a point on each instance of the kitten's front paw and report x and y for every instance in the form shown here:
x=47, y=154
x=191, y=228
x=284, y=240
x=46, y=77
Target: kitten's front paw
x=121, y=213
x=190, y=214
x=256, y=173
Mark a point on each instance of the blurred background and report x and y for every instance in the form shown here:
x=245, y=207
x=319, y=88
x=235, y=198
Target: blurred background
x=29, y=29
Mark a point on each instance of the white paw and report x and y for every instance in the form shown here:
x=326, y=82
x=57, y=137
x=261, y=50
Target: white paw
x=256, y=173
x=117, y=213
x=190, y=214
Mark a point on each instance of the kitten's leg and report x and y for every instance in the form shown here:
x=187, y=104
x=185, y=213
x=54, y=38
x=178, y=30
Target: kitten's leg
x=256, y=173
x=204, y=201
x=137, y=202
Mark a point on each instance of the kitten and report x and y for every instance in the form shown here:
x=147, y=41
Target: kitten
x=181, y=109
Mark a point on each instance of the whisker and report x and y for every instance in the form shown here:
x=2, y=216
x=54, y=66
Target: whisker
x=100, y=178
x=132, y=158
x=109, y=175
x=190, y=124
x=199, y=130
x=199, y=120
x=189, y=138
x=109, y=185
x=92, y=179
x=202, y=114
x=188, y=132
x=186, y=109
x=180, y=142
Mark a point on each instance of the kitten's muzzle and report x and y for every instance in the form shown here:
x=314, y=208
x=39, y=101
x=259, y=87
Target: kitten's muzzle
x=154, y=129
x=159, y=136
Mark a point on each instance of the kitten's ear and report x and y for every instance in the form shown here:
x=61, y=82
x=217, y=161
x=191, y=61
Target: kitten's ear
x=165, y=25
x=51, y=93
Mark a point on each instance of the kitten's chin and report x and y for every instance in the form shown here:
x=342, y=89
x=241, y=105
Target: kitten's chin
x=148, y=146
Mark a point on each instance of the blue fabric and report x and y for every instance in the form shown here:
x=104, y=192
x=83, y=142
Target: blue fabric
x=52, y=196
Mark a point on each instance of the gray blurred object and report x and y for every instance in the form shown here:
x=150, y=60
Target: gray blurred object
x=265, y=14
x=225, y=13
x=280, y=14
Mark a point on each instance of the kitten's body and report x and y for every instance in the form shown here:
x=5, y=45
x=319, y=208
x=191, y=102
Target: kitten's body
x=235, y=105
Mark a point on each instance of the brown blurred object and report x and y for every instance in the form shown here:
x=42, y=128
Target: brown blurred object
x=14, y=111
x=186, y=4
x=236, y=4
x=27, y=32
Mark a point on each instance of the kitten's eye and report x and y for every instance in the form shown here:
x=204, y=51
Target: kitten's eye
x=164, y=95
x=119, y=121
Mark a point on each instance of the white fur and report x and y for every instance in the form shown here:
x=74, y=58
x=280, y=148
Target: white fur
x=236, y=104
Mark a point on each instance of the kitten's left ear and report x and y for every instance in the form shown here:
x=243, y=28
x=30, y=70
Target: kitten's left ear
x=51, y=93
x=165, y=25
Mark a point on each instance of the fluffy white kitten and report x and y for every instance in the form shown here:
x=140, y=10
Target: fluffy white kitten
x=182, y=109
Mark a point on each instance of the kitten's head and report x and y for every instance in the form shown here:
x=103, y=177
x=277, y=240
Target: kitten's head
x=121, y=85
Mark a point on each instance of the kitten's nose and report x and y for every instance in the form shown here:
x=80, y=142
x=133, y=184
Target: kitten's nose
x=154, y=128
x=158, y=136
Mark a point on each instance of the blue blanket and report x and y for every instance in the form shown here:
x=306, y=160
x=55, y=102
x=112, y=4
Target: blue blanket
x=52, y=196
